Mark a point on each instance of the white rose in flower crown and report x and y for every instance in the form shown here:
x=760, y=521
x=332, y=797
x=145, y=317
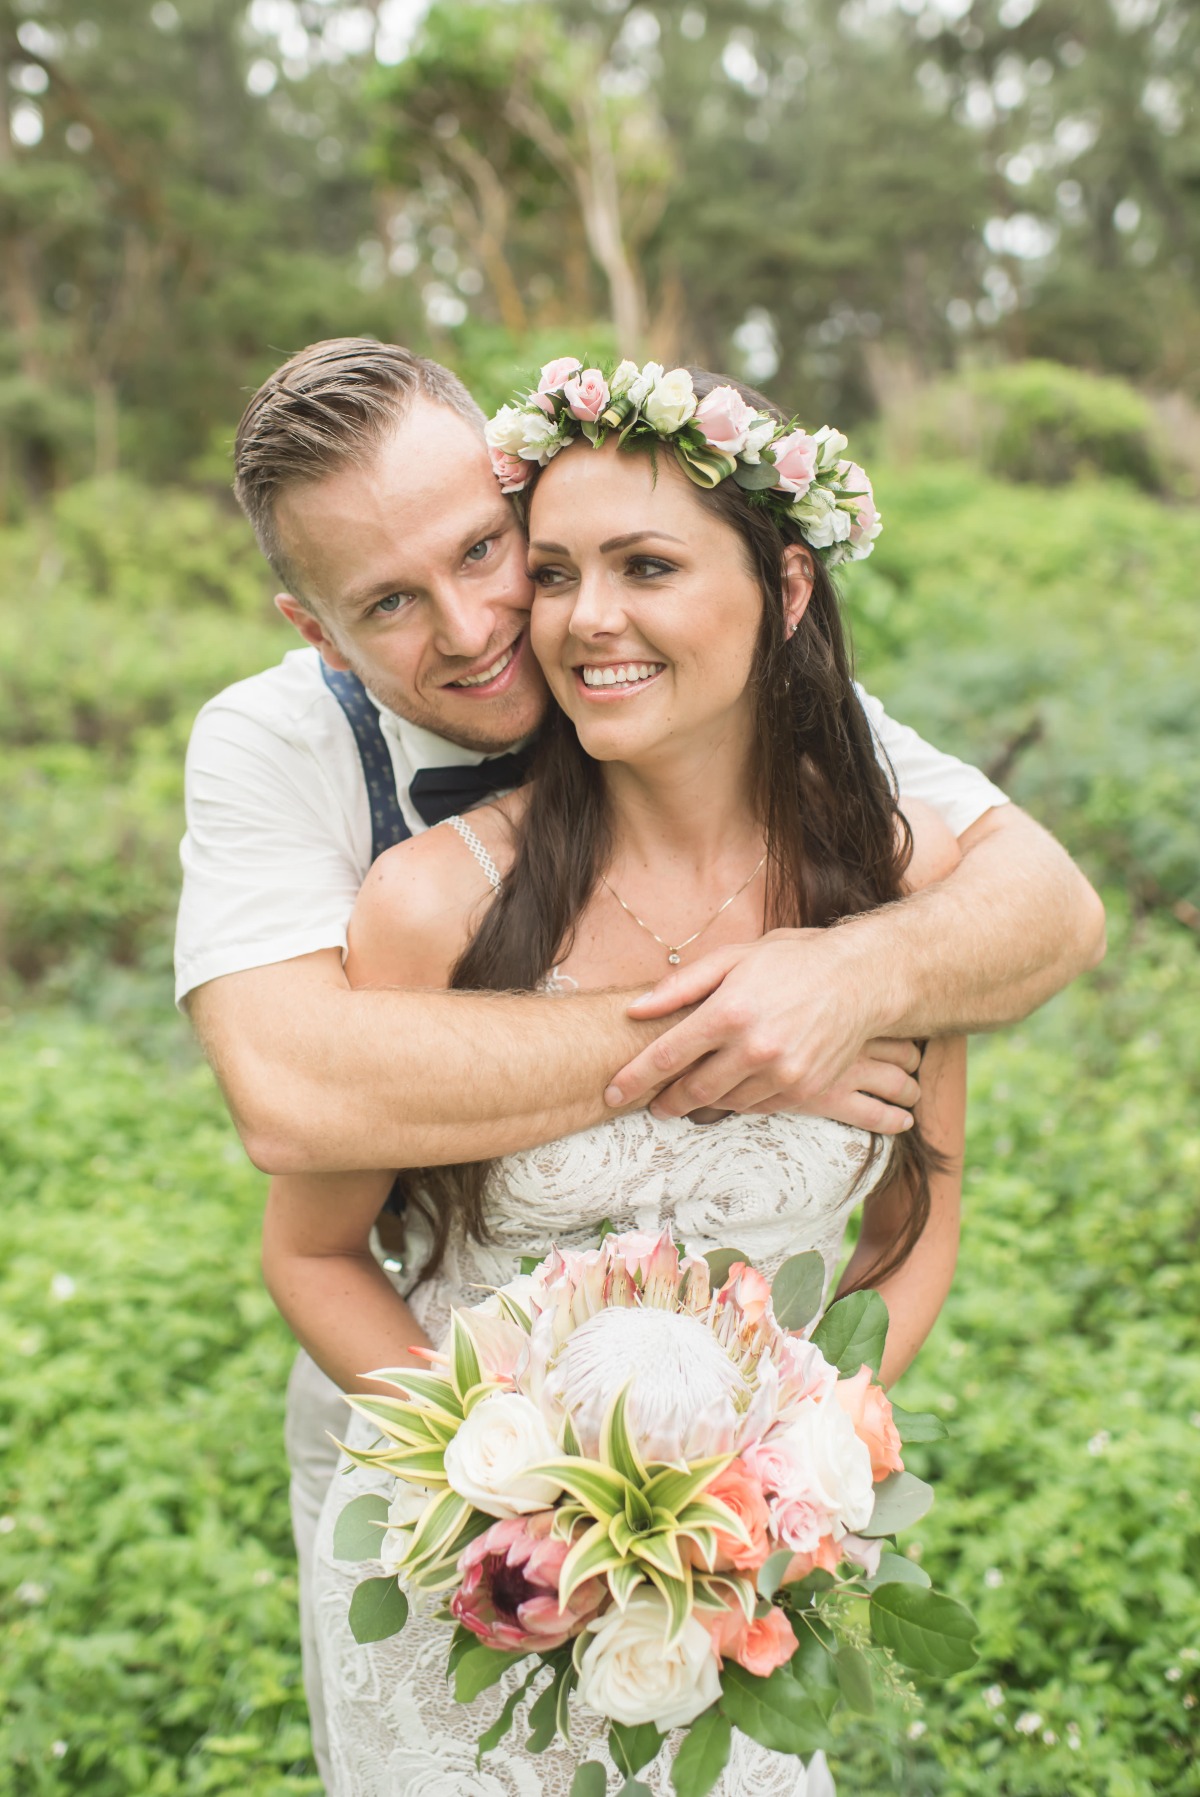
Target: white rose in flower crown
x=831, y=444
x=672, y=402
x=489, y=1459
x=628, y=1675
x=758, y=436
x=541, y=438
x=506, y=430
x=404, y=1512
x=633, y=383
x=820, y=518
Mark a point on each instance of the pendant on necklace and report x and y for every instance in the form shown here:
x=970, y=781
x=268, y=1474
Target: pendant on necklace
x=673, y=958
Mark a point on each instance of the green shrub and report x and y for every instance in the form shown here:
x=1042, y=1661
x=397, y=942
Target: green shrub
x=1046, y=423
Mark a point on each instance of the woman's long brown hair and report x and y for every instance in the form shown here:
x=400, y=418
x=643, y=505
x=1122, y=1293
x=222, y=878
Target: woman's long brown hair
x=837, y=844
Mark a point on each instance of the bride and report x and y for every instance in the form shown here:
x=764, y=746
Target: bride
x=708, y=775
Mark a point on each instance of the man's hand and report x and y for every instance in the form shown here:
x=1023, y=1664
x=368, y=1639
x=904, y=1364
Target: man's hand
x=780, y=1025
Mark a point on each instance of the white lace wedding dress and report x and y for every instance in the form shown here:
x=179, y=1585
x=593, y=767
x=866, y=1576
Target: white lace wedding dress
x=770, y=1186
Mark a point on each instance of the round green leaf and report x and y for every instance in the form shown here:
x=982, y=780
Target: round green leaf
x=702, y=1755
x=901, y=1500
x=926, y=1632
x=772, y=1711
x=356, y=1533
x=895, y=1569
x=853, y=1332
x=797, y=1290
x=590, y=1780
x=918, y=1425
x=853, y=1671
x=378, y=1609
x=719, y=1262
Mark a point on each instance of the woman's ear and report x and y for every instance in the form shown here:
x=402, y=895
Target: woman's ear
x=797, y=584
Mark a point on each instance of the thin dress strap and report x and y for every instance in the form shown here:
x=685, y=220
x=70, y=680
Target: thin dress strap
x=477, y=849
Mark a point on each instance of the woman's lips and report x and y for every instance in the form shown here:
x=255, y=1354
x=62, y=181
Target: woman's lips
x=616, y=680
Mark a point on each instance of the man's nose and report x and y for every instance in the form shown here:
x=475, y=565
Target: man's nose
x=464, y=623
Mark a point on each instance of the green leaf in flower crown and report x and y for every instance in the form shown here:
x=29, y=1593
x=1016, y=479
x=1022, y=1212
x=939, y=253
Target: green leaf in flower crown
x=770, y=1573
x=755, y=477
x=719, y=1262
x=797, y=1290
x=896, y=1569
x=925, y=1631
x=702, y=1754
x=378, y=1609
x=706, y=466
x=480, y=1668
x=590, y=1780
x=633, y=1748
x=900, y=1500
x=772, y=1711
x=918, y=1425
x=852, y=1332
x=853, y=1671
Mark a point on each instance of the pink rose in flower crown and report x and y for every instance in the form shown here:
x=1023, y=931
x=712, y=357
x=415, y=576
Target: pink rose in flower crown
x=586, y=395
x=760, y=1645
x=510, y=471
x=738, y=1487
x=866, y=523
x=553, y=378
x=725, y=419
x=795, y=462
x=509, y=1591
x=869, y=1409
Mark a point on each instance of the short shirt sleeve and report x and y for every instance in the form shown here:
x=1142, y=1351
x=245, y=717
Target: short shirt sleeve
x=270, y=865
x=958, y=792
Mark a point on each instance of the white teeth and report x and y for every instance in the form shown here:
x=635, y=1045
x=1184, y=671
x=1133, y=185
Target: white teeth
x=497, y=667
x=627, y=674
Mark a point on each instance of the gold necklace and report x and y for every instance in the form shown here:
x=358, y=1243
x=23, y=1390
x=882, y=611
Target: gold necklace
x=674, y=948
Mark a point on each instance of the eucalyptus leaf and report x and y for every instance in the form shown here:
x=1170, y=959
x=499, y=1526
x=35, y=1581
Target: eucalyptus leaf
x=356, y=1533
x=853, y=1332
x=918, y=1425
x=378, y=1610
x=529, y=1263
x=853, y=1672
x=771, y=1572
x=895, y=1569
x=773, y=1711
x=719, y=1262
x=901, y=1500
x=633, y=1748
x=702, y=1755
x=797, y=1290
x=479, y=1668
x=925, y=1631
x=755, y=476
x=590, y=1780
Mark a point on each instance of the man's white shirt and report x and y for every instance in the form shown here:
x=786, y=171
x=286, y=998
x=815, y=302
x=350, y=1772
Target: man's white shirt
x=279, y=824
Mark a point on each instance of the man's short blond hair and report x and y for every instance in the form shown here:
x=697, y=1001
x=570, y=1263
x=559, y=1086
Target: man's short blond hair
x=328, y=407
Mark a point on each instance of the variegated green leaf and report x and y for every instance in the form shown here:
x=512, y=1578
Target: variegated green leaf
x=737, y=1589
x=706, y=467
x=617, y=1447
x=660, y=1550
x=711, y=1513
x=433, y=1389
x=591, y=1555
x=624, y=1580
x=671, y=1489
x=705, y=1543
x=436, y=1526
x=620, y=1533
x=637, y=1510
x=600, y=1489
x=464, y=1358
x=678, y=1593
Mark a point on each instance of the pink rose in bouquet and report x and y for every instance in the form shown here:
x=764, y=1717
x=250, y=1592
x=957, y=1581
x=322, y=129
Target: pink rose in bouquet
x=509, y=1591
x=869, y=1409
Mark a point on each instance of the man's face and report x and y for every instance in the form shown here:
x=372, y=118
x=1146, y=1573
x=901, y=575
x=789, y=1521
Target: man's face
x=414, y=569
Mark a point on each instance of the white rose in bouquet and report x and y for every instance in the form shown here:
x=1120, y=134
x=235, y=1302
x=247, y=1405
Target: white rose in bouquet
x=628, y=1675
x=489, y=1459
x=404, y=1512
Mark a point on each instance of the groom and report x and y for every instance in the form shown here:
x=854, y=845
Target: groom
x=363, y=471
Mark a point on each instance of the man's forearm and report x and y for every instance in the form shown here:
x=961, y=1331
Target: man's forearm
x=319, y=1077
x=1013, y=925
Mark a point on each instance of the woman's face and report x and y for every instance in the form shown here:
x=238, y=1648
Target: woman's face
x=645, y=614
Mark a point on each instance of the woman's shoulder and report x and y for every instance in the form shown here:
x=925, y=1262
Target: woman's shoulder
x=422, y=900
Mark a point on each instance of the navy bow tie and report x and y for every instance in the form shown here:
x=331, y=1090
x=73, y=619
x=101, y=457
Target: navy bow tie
x=442, y=792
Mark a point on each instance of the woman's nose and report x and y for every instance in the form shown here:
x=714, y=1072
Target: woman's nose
x=598, y=610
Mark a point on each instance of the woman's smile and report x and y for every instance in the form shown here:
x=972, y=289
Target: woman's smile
x=605, y=681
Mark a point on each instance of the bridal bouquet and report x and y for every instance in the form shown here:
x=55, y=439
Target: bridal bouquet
x=626, y=1476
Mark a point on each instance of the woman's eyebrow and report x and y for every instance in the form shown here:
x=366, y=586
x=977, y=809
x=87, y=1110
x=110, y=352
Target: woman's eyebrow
x=635, y=536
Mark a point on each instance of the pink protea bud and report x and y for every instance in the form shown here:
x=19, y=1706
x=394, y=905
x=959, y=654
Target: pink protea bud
x=509, y=1591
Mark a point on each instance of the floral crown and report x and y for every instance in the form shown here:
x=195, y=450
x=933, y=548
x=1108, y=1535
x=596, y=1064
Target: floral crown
x=801, y=478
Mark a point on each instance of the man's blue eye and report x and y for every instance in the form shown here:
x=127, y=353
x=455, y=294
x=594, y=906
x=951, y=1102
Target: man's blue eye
x=391, y=604
x=477, y=551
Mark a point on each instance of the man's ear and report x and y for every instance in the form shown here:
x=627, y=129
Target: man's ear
x=311, y=629
x=797, y=584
